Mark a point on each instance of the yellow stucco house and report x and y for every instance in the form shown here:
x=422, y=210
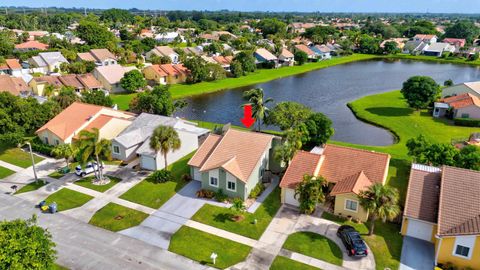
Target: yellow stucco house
x=348, y=170
x=443, y=207
x=64, y=127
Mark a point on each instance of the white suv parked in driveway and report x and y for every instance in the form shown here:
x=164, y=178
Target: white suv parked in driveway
x=89, y=168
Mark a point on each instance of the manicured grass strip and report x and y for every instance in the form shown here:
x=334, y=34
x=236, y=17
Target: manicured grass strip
x=155, y=195
x=448, y=60
x=56, y=175
x=314, y=245
x=68, y=199
x=282, y=263
x=17, y=156
x=220, y=217
x=198, y=246
x=31, y=186
x=114, y=217
x=86, y=182
x=5, y=172
x=386, y=243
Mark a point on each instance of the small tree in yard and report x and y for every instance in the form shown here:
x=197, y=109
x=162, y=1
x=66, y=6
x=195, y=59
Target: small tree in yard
x=165, y=139
x=420, y=91
x=25, y=245
x=238, y=207
x=133, y=80
x=259, y=103
x=65, y=151
x=91, y=146
x=381, y=202
x=300, y=57
x=310, y=192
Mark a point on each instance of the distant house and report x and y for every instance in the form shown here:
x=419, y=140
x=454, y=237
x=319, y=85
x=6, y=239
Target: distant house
x=304, y=48
x=38, y=84
x=347, y=170
x=286, y=58
x=263, y=56
x=215, y=35
x=166, y=73
x=163, y=51
x=430, y=39
x=399, y=41
x=64, y=127
x=437, y=49
x=223, y=163
x=443, y=208
x=11, y=67
x=223, y=61
x=78, y=82
x=457, y=42
x=192, y=51
x=144, y=33
x=101, y=57
x=110, y=77
x=134, y=141
x=13, y=85
x=168, y=37
x=468, y=87
x=48, y=61
x=414, y=47
x=322, y=51
x=32, y=45
x=461, y=106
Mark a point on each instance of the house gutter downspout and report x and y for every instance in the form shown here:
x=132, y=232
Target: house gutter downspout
x=438, y=248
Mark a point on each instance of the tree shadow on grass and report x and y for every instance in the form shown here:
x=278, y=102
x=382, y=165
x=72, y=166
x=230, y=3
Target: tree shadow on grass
x=390, y=111
x=223, y=217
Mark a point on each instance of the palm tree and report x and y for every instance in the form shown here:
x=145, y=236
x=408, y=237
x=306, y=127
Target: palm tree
x=90, y=145
x=165, y=139
x=310, y=192
x=381, y=202
x=260, y=110
x=65, y=151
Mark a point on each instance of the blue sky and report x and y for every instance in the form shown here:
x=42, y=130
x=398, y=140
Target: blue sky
x=432, y=6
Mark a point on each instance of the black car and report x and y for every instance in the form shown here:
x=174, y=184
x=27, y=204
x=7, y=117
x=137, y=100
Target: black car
x=352, y=241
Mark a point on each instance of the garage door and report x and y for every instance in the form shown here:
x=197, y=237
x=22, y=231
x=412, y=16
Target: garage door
x=147, y=163
x=420, y=230
x=197, y=175
x=290, y=197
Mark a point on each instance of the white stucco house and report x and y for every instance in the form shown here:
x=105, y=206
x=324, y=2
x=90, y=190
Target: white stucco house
x=134, y=141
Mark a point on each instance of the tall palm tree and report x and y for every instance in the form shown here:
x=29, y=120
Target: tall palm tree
x=91, y=146
x=165, y=139
x=260, y=110
x=310, y=192
x=381, y=202
x=65, y=151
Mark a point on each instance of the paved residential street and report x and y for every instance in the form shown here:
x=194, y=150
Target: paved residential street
x=82, y=246
x=417, y=254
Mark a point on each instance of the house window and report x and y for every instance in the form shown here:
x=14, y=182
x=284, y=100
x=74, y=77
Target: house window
x=213, y=181
x=116, y=149
x=57, y=142
x=462, y=251
x=465, y=115
x=231, y=185
x=46, y=140
x=351, y=205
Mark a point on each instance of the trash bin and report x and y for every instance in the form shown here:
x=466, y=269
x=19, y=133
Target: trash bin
x=41, y=204
x=53, y=208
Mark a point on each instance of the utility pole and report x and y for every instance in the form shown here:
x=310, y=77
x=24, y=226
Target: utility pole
x=6, y=11
x=85, y=11
x=33, y=163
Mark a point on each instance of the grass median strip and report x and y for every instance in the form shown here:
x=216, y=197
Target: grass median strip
x=314, y=245
x=31, y=186
x=221, y=217
x=198, y=246
x=68, y=199
x=86, y=182
x=114, y=217
x=282, y=263
x=17, y=156
x=4, y=172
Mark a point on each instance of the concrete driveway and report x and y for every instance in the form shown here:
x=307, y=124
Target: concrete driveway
x=159, y=227
x=417, y=254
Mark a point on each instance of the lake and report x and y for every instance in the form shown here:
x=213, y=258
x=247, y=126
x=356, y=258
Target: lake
x=328, y=91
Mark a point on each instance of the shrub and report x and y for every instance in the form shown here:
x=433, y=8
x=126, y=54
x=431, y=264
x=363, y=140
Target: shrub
x=186, y=177
x=467, y=122
x=220, y=196
x=40, y=147
x=256, y=191
x=205, y=193
x=161, y=176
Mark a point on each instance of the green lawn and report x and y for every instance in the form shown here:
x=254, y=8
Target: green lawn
x=451, y=60
x=198, y=246
x=4, y=172
x=220, y=217
x=314, y=245
x=116, y=217
x=260, y=76
x=282, y=263
x=17, y=156
x=68, y=199
x=86, y=182
x=386, y=243
x=56, y=175
x=155, y=195
x=31, y=186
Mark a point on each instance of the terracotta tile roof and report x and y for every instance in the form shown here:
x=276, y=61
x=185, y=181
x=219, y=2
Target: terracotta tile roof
x=286, y=53
x=223, y=60
x=352, y=184
x=13, y=63
x=99, y=122
x=71, y=80
x=13, y=85
x=424, y=36
x=33, y=44
x=102, y=54
x=71, y=119
x=301, y=164
x=423, y=193
x=86, y=56
x=52, y=80
x=112, y=73
x=238, y=152
x=459, y=210
x=164, y=50
x=305, y=49
x=89, y=81
x=205, y=150
x=462, y=100
x=170, y=69
x=265, y=54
